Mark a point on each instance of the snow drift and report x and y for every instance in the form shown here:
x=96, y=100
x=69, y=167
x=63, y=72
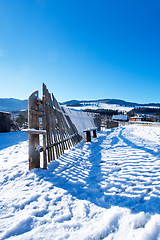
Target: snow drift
x=105, y=189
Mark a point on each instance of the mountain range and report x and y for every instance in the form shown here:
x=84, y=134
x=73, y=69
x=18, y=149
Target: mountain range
x=12, y=104
x=111, y=101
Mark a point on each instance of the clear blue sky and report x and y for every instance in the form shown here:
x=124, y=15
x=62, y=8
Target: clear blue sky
x=81, y=49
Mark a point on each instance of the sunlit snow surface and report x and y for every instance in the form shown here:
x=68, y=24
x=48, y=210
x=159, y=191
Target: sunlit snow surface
x=96, y=106
x=106, y=189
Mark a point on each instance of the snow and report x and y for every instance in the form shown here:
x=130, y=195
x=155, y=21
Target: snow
x=81, y=120
x=95, y=106
x=36, y=131
x=100, y=105
x=105, y=189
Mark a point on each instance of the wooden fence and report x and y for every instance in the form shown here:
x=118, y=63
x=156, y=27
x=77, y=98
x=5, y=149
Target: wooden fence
x=60, y=127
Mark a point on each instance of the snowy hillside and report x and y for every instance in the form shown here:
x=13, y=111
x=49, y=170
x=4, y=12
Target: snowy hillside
x=95, y=106
x=106, y=189
x=108, y=104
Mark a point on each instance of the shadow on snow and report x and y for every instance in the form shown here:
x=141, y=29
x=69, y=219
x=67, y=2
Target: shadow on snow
x=12, y=138
x=79, y=173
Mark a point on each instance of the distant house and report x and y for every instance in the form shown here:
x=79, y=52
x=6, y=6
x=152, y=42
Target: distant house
x=136, y=119
x=5, y=119
x=120, y=118
x=141, y=117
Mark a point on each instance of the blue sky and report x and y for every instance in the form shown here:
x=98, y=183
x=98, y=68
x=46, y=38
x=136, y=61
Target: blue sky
x=86, y=49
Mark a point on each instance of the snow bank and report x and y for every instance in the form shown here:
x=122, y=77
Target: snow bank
x=104, y=189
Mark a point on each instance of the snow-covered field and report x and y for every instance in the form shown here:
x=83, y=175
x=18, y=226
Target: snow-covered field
x=106, y=189
x=95, y=106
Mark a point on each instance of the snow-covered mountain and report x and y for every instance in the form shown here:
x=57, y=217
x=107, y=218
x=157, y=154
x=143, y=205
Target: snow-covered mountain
x=107, y=101
x=111, y=101
x=100, y=105
x=107, y=104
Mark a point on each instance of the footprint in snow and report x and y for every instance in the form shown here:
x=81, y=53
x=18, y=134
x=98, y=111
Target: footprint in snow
x=145, y=155
x=115, y=169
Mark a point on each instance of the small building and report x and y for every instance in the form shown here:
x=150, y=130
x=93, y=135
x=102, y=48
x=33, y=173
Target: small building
x=5, y=120
x=136, y=119
x=140, y=118
x=120, y=118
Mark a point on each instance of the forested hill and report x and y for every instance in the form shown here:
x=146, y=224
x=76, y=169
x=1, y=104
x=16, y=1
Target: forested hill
x=110, y=101
x=12, y=104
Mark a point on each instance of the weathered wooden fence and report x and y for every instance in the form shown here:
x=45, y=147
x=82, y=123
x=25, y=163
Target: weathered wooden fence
x=60, y=127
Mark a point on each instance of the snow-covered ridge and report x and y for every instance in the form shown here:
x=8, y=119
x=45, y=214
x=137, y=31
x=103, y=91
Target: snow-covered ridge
x=106, y=106
x=12, y=104
x=96, y=106
x=105, y=189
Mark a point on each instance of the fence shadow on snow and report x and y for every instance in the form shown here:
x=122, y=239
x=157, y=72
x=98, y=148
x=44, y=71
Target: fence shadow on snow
x=80, y=172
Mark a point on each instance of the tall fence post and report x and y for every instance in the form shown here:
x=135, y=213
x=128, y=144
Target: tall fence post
x=33, y=123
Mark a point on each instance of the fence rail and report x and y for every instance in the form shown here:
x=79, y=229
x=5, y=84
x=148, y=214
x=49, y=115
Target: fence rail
x=61, y=128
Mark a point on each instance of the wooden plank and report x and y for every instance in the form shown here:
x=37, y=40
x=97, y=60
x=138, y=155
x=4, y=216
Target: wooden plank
x=60, y=135
x=49, y=129
x=88, y=136
x=61, y=128
x=44, y=136
x=94, y=133
x=55, y=138
x=44, y=153
x=33, y=122
x=51, y=133
x=34, y=131
x=54, y=129
x=47, y=124
x=54, y=132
